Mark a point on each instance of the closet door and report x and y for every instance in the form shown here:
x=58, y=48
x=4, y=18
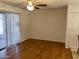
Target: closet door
x=73, y=31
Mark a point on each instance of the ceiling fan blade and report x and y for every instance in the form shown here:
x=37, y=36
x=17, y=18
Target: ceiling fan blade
x=24, y=8
x=36, y=7
x=41, y=5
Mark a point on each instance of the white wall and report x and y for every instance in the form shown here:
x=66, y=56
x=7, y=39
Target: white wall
x=24, y=21
x=48, y=24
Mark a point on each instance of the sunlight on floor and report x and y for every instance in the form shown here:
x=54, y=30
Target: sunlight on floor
x=3, y=54
x=7, y=54
x=75, y=55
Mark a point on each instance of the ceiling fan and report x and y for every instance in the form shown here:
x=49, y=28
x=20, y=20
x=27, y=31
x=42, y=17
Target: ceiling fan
x=31, y=5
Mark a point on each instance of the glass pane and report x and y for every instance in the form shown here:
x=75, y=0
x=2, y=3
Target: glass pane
x=3, y=42
x=15, y=28
x=2, y=31
x=1, y=25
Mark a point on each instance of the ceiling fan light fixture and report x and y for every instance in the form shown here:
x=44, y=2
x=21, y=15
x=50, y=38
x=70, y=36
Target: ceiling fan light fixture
x=30, y=3
x=30, y=7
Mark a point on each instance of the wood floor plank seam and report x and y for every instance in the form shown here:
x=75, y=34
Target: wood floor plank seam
x=41, y=51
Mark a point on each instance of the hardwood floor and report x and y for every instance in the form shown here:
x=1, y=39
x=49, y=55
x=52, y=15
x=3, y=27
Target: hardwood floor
x=39, y=49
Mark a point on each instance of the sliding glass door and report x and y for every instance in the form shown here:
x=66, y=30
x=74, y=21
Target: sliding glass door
x=3, y=41
x=9, y=31
x=13, y=30
x=3, y=36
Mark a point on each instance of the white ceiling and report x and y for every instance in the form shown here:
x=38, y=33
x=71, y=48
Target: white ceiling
x=50, y=3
